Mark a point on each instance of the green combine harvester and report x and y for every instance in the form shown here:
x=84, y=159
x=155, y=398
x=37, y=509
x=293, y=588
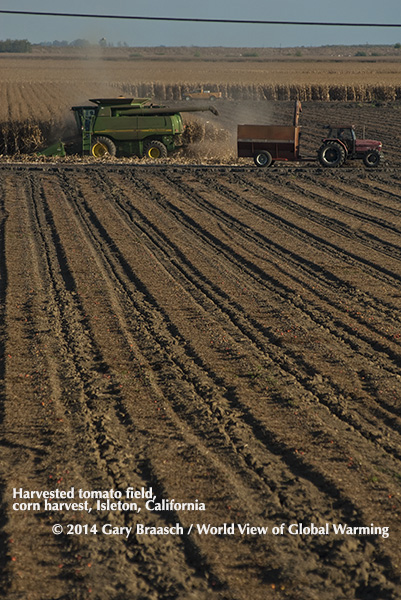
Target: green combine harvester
x=126, y=127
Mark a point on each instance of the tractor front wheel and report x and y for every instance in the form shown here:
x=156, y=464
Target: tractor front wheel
x=263, y=159
x=155, y=149
x=372, y=158
x=331, y=154
x=103, y=147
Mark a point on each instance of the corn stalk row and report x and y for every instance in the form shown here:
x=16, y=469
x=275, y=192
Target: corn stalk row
x=273, y=92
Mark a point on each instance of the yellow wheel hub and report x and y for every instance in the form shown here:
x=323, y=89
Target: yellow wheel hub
x=154, y=152
x=99, y=150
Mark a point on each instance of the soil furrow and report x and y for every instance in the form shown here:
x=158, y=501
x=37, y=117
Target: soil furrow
x=339, y=410
x=110, y=431
x=323, y=244
x=143, y=228
x=350, y=331
x=324, y=276
x=290, y=294
x=4, y=578
x=181, y=335
x=30, y=428
x=113, y=244
x=365, y=195
x=382, y=227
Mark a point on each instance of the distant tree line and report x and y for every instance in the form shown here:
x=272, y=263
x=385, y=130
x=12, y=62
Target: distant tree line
x=82, y=43
x=25, y=46
x=79, y=43
x=15, y=46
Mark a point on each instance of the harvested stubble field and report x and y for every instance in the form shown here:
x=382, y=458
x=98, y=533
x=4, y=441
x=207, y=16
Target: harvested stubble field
x=228, y=335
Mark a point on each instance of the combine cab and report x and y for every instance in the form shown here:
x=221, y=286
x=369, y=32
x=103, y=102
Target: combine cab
x=128, y=127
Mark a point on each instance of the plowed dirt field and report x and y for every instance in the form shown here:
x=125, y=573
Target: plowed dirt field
x=227, y=336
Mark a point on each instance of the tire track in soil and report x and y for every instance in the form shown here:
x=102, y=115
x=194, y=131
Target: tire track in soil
x=64, y=250
x=385, y=187
x=328, y=281
x=112, y=244
x=330, y=220
x=369, y=430
x=3, y=291
x=198, y=442
x=24, y=423
x=138, y=554
x=391, y=353
x=263, y=189
x=108, y=431
x=371, y=268
x=108, y=229
x=328, y=278
x=361, y=191
x=365, y=299
x=113, y=198
x=153, y=351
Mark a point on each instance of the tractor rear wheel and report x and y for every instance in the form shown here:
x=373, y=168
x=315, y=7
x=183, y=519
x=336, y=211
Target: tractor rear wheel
x=155, y=149
x=372, y=158
x=331, y=154
x=263, y=159
x=103, y=147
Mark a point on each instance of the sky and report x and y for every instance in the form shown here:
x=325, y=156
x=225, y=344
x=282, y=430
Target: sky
x=154, y=33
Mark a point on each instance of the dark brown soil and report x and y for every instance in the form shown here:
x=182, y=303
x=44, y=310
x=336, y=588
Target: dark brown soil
x=227, y=335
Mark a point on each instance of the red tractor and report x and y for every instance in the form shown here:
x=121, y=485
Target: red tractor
x=342, y=144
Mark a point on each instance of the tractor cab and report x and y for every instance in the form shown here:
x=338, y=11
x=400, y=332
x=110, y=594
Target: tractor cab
x=345, y=135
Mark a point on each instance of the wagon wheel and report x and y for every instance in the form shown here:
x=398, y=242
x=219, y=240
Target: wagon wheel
x=263, y=159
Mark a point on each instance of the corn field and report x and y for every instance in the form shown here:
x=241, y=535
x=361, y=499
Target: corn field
x=21, y=137
x=36, y=96
x=273, y=92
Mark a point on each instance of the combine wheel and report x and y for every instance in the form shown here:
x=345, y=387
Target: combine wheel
x=263, y=159
x=103, y=146
x=155, y=149
x=331, y=154
x=372, y=158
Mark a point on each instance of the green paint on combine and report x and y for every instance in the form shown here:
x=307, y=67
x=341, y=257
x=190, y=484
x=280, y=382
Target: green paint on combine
x=57, y=149
x=127, y=127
